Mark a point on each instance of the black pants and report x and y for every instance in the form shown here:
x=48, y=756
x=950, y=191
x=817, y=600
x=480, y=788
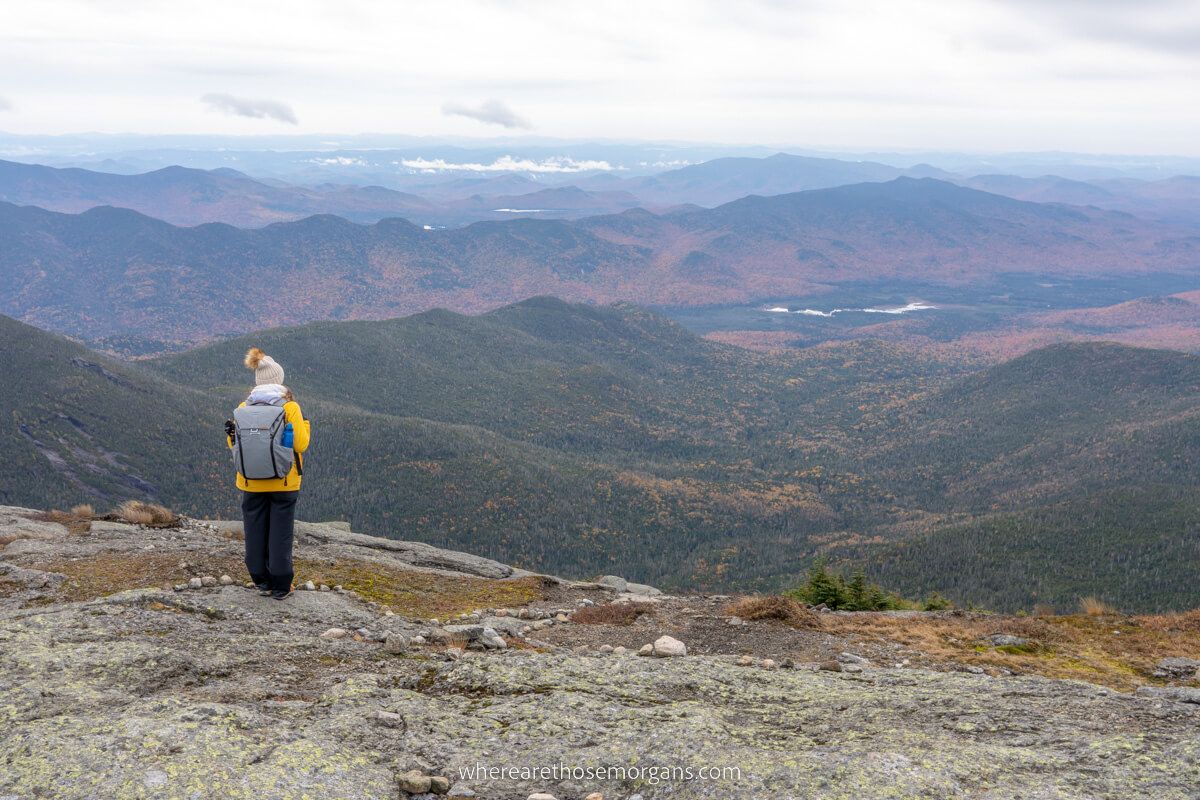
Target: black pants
x=269, y=519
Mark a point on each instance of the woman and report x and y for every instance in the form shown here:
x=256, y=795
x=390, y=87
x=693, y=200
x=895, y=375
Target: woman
x=269, y=504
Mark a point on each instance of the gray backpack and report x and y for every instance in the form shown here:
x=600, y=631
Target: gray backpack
x=259, y=453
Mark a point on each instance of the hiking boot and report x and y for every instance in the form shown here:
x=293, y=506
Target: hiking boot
x=264, y=589
x=282, y=594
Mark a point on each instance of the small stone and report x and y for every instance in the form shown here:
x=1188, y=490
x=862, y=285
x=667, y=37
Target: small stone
x=542, y=796
x=852, y=658
x=413, y=782
x=619, y=651
x=389, y=719
x=208, y=580
x=736, y=621
x=363, y=632
x=335, y=633
x=975, y=670
x=395, y=643
x=788, y=663
x=417, y=640
x=323, y=587
x=562, y=618
x=195, y=583
x=460, y=791
x=1005, y=640
x=439, y=784
x=594, y=796
x=387, y=612
x=668, y=647
x=309, y=586
x=831, y=666
x=745, y=661
x=646, y=650
x=584, y=603
x=605, y=648
x=179, y=587
x=225, y=580
x=852, y=668
x=768, y=663
x=338, y=588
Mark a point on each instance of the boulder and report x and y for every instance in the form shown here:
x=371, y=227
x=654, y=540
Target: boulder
x=1180, y=694
x=668, y=647
x=614, y=582
x=395, y=643
x=1177, y=669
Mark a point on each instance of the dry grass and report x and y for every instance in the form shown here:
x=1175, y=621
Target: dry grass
x=420, y=594
x=408, y=592
x=100, y=575
x=784, y=609
x=136, y=512
x=77, y=521
x=1118, y=651
x=612, y=613
x=1184, y=622
x=1094, y=607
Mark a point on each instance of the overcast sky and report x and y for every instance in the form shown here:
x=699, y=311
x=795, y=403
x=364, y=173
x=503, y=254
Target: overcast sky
x=1083, y=75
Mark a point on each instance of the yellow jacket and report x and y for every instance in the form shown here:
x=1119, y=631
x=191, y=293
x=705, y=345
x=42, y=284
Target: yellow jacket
x=300, y=436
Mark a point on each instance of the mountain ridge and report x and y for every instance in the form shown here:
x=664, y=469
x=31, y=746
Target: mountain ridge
x=576, y=438
x=112, y=280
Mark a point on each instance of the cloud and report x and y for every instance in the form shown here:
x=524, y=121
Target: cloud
x=245, y=107
x=1171, y=26
x=507, y=164
x=5, y=104
x=491, y=112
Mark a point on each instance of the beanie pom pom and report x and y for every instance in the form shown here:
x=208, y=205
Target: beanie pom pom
x=254, y=357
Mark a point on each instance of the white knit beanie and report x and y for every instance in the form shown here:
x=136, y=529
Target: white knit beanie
x=266, y=370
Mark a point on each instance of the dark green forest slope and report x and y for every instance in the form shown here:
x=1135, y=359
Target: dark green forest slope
x=580, y=440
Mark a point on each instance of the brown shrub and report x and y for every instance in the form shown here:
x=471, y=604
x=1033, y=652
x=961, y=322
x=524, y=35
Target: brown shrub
x=1183, y=622
x=777, y=607
x=136, y=512
x=1094, y=607
x=612, y=613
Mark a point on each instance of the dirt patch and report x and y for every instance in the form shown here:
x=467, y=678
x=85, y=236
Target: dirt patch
x=1116, y=651
x=99, y=575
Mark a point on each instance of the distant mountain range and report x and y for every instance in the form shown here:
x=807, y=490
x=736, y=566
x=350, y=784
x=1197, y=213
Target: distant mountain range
x=184, y=196
x=117, y=273
x=583, y=440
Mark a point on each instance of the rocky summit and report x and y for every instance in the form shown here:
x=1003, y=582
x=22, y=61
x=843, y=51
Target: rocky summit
x=136, y=663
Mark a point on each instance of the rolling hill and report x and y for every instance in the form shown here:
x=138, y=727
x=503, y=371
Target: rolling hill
x=582, y=440
x=184, y=196
x=115, y=273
